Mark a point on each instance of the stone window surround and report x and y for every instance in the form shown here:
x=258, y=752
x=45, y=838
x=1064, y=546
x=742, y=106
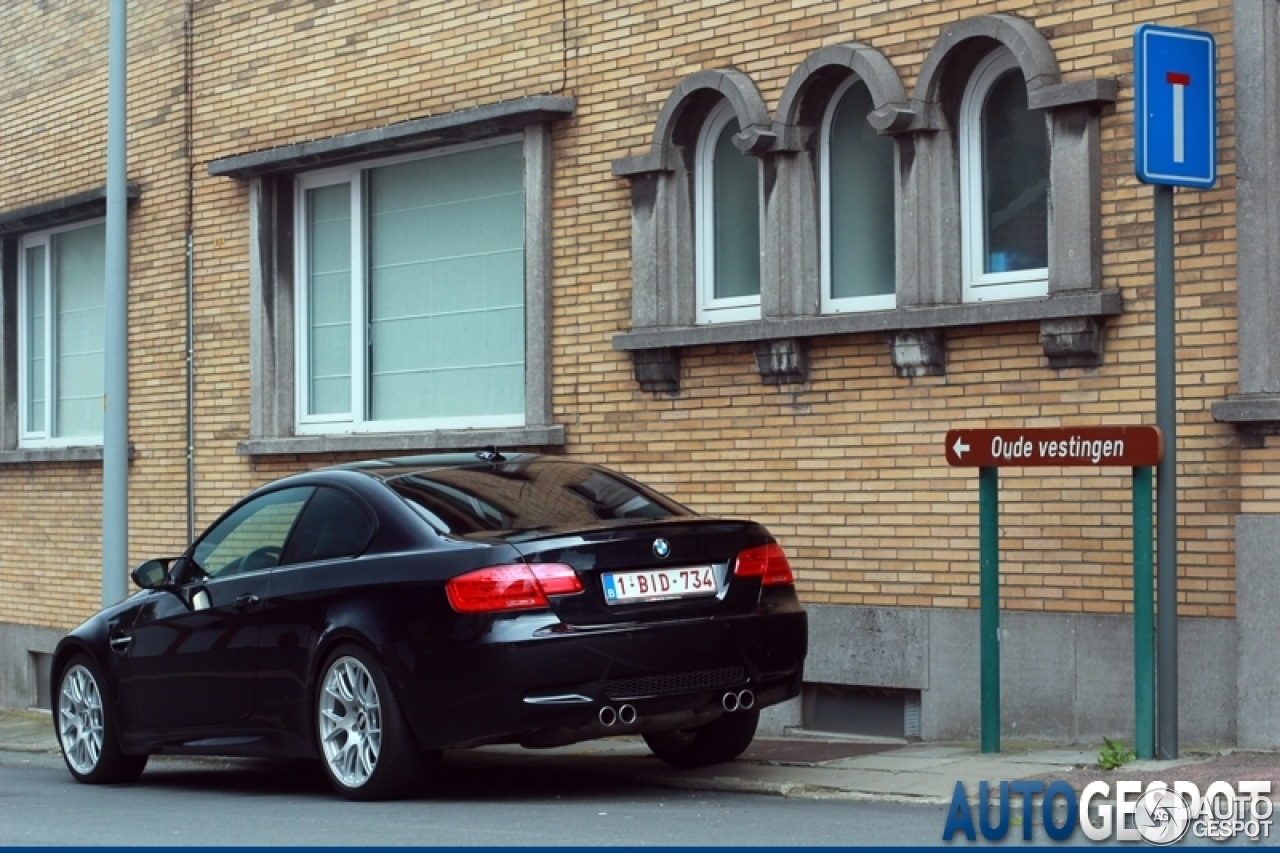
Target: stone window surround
x=271, y=175
x=929, y=277
x=68, y=210
x=1255, y=408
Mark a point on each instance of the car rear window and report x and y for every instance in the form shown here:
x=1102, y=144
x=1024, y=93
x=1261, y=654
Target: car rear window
x=533, y=495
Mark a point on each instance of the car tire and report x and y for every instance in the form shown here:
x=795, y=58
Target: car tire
x=85, y=724
x=723, y=739
x=366, y=747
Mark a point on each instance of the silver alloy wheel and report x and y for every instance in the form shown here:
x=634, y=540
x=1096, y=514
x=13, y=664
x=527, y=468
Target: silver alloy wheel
x=350, y=722
x=80, y=721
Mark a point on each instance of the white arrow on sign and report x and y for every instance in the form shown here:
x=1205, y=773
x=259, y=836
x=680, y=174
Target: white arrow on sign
x=1180, y=82
x=960, y=447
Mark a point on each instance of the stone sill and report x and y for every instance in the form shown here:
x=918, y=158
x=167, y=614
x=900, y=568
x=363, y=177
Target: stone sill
x=400, y=443
x=1250, y=413
x=30, y=455
x=1070, y=331
x=1091, y=303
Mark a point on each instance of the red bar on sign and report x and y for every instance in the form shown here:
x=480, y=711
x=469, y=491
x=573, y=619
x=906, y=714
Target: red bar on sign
x=1177, y=78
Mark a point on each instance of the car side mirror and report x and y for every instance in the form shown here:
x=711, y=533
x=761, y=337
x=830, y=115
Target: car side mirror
x=151, y=575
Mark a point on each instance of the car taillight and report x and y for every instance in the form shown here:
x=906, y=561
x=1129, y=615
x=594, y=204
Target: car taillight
x=767, y=562
x=515, y=587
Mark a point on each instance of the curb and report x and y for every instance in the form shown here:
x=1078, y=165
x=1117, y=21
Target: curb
x=790, y=790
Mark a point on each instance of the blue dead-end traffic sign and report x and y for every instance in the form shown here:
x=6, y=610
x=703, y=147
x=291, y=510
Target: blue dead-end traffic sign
x=1175, y=110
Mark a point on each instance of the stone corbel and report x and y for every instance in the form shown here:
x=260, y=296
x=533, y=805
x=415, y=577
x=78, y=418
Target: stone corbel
x=782, y=362
x=657, y=370
x=1072, y=341
x=919, y=353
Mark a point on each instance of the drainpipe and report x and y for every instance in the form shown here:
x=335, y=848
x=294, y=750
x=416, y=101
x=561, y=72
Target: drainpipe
x=189, y=37
x=115, y=436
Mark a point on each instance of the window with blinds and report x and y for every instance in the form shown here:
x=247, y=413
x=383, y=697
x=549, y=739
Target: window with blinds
x=412, y=308
x=61, y=336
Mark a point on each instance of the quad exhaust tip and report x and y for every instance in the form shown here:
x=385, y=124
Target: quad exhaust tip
x=743, y=700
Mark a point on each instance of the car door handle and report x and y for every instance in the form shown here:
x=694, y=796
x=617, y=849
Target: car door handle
x=121, y=643
x=245, y=601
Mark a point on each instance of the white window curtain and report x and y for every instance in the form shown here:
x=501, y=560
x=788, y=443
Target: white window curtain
x=414, y=302
x=1004, y=162
x=856, y=176
x=727, y=213
x=61, y=336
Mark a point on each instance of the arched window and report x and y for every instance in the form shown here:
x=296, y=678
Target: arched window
x=857, y=198
x=727, y=216
x=1004, y=185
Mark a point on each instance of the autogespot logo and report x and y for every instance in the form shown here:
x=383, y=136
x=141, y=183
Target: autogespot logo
x=1160, y=815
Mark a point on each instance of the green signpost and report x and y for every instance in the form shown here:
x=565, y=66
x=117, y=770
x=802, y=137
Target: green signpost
x=1136, y=447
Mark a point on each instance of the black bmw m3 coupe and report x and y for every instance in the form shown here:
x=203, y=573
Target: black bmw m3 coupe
x=374, y=614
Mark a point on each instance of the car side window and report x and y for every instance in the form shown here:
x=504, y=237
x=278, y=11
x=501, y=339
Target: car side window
x=334, y=525
x=252, y=538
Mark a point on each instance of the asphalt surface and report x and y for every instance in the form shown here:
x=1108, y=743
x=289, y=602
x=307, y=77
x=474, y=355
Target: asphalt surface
x=809, y=766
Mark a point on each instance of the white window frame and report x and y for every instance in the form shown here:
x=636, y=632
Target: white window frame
x=357, y=421
x=829, y=303
x=709, y=309
x=978, y=285
x=28, y=438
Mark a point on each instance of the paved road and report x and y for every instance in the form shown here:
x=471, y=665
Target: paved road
x=483, y=801
x=487, y=798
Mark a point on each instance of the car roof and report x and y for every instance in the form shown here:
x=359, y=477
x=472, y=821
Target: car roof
x=402, y=466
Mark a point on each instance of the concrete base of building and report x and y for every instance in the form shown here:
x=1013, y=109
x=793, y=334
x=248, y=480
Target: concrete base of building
x=1063, y=677
x=1258, y=615
x=25, y=655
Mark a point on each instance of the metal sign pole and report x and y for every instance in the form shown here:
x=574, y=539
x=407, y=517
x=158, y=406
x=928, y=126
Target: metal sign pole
x=1175, y=145
x=1166, y=479
x=1144, y=647
x=989, y=604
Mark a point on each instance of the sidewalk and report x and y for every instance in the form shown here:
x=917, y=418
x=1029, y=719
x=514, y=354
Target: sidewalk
x=809, y=767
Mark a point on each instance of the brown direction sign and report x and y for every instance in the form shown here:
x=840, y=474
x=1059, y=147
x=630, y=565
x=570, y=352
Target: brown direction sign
x=1128, y=446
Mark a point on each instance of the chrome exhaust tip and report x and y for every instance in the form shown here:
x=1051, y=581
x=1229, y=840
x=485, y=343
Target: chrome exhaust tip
x=729, y=701
x=746, y=700
x=607, y=716
x=627, y=715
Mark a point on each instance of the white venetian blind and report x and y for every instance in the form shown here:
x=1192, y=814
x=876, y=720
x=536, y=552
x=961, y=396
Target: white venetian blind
x=329, y=300
x=36, y=297
x=446, y=286
x=79, y=259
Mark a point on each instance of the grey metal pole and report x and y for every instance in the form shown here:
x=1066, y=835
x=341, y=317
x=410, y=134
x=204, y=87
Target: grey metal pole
x=1166, y=480
x=115, y=434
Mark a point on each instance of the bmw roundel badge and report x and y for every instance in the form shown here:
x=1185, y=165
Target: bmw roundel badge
x=662, y=548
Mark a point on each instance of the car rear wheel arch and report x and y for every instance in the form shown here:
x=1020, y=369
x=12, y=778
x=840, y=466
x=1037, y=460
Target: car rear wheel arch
x=401, y=766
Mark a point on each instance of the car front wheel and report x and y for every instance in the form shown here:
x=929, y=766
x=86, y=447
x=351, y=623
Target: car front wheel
x=368, y=751
x=723, y=739
x=86, y=728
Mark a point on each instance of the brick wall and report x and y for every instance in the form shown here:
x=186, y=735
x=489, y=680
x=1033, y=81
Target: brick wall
x=848, y=470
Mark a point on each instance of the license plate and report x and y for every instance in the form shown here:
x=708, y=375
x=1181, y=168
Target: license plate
x=688, y=582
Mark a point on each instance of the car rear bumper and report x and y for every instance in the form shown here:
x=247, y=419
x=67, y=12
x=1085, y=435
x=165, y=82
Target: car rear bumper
x=532, y=680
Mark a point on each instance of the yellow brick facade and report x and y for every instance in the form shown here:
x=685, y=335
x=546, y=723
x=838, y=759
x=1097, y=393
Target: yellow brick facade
x=846, y=469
